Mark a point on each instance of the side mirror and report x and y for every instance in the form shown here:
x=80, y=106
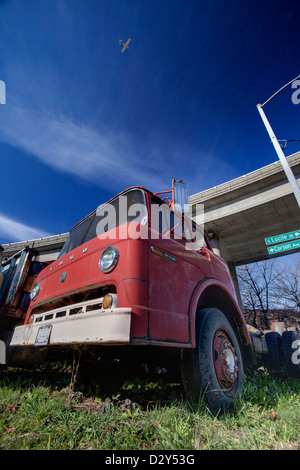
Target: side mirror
x=180, y=196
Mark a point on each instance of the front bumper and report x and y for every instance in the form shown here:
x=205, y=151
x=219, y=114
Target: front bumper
x=77, y=324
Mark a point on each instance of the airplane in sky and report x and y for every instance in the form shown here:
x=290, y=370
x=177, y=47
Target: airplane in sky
x=125, y=46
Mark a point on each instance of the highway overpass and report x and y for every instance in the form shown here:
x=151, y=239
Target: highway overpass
x=240, y=214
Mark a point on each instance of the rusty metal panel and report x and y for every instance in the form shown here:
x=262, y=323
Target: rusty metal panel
x=20, y=272
x=8, y=270
x=19, y=275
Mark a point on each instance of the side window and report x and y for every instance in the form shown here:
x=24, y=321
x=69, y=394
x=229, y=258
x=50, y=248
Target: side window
x=166, y=222
x=177, y=227
x=197, y=237
x=160, y=219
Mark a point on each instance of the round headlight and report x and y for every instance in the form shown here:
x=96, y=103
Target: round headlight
x=35, y=291
x=108, y=259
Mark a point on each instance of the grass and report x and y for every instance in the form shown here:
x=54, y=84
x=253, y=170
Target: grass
x=37, y=413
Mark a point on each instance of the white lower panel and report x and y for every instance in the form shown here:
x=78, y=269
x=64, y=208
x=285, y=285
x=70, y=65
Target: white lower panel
x=97, y=327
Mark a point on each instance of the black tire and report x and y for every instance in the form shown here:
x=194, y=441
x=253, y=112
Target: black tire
x=291, y=353
x=215, y=366
x=273, y=360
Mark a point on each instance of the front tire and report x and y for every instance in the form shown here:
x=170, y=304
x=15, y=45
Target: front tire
x=215, y=366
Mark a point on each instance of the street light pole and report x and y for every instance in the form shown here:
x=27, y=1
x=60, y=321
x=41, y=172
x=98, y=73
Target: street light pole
x=290, y=175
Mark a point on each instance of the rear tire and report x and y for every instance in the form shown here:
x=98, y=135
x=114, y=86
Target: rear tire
x=273, y=360
x=215, y=366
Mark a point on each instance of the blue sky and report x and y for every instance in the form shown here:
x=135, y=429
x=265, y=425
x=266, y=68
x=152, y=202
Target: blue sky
x=83, y=121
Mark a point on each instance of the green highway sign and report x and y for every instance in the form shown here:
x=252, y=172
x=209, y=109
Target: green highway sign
x=283, y=247
x=284, y=237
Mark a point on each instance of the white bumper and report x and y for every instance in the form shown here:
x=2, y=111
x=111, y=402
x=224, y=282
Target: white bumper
x=83, y=323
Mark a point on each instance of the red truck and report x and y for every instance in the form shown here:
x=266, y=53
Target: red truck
x=139, y=275
x=137, y=272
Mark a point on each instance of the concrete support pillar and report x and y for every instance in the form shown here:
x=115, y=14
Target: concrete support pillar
x=232, y=270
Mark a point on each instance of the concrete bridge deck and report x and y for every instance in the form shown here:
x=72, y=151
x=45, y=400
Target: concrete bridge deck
x=241, y=213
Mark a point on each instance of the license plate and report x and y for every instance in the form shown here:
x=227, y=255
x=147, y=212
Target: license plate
x=43, y=335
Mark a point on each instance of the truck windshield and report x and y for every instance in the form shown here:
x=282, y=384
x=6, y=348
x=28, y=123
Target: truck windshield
x=130, y=206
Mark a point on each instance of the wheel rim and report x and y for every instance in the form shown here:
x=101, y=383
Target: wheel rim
x=225, y=361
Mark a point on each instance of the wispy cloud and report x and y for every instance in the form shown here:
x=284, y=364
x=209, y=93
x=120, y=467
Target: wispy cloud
x=16, y=231
x=107, y=158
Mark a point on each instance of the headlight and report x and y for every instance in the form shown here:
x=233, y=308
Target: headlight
x=108, y=259
x=35, y=291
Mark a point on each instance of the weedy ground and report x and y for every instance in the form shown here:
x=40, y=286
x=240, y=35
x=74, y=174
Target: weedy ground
x=40, y=410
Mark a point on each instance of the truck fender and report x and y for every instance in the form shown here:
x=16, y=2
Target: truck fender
x=212, y=293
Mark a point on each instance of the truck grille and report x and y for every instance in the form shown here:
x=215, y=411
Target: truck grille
x=75, y=309
x=74, y=298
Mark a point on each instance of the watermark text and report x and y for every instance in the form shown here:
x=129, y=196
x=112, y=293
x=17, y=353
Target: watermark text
x=2, y=353
x=132, y=221
x=296, y=93
x=2, y=92
x=296, y=353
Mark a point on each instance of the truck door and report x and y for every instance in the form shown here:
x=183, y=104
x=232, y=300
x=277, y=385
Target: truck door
x=174, y=271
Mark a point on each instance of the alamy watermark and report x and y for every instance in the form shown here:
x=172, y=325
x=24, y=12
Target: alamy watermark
x=126, y=220
x=296, y=353
x=296, y=93
x=2, y=92
x=2, y=353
